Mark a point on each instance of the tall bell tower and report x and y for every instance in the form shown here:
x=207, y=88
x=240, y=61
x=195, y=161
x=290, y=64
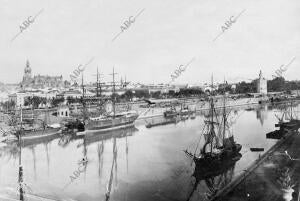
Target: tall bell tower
x=27, y=74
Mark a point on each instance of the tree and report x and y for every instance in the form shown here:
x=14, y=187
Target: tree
x=70, y=100
x=188, y=92
x=156, y=94
x=244, y=87
x=277, y=84
x=142, y=94
x=8, y=105
x=56, y=101
x=27, y=101
x=171, y=93
x=224, y=88
x=128, y=95
x=44, y=100
x=36, y=101
x=116, y=97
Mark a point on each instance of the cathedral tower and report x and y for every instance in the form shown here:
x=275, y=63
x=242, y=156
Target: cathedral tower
x=27, y=74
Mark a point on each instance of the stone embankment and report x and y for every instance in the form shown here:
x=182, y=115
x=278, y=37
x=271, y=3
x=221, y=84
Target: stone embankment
x=233, y=185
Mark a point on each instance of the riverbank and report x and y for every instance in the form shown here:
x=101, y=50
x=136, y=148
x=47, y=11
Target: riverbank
x=274, y=176
x=247, y=103
x=145, y=112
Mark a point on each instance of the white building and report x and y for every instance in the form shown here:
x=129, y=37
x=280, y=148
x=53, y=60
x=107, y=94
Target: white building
x=63, y=111
x=18, y=98
x=262, y=86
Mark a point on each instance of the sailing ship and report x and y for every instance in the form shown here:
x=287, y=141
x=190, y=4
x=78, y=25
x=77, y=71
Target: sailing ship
x=292, y=123
x=184, y=112
x=35, y=130
x=219, y=146
x=31, y=128
x=47, y=131
x=24, y=191
x=215, y=178
x=184, y=109
x=109, y=121
x=171, y=112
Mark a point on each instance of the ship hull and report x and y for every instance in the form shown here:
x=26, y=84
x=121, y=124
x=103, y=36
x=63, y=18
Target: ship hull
x=99, y=130
x=108, y=124
x=207, y=169
x=291, y=125
x=38, y=134
x=172, y=121
x=215, y=160
x=277, y=134
x=170, y=114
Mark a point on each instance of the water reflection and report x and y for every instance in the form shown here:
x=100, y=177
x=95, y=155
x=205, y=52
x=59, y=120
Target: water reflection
x=285, y=111
x=262, y=114
x=89, y=139
x=215, y=178
x=100, y=150
x=114, y=165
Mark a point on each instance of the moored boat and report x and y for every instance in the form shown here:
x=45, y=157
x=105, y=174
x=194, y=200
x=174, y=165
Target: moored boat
x=110, y=120
x=292, y=123
x=40, y=133
x=170, y=113
x=169, y=121
x=107, y=123
x=34, y=130
x=219, y=143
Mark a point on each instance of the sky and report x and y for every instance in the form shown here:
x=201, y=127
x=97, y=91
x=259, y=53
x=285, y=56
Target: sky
x=165, y=35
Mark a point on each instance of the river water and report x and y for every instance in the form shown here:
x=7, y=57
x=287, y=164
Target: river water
x=134, y=164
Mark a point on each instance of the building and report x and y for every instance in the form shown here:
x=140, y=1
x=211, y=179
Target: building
x=207, y=87
x=262, y=86
x=18, y=98
x=74, y=93
x=63, y=111
x=40, y=81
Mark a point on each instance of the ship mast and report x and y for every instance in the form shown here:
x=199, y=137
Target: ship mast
x=113, y=93
x=98, y=88
x=210, y=123
x=291, y=110
x=97, y=83
x=224, y=113
x=212, y=114
x=83, y=96
x=20, y=158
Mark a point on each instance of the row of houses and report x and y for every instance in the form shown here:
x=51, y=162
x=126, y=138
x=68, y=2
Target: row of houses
x=20, y=97
x=76, y=92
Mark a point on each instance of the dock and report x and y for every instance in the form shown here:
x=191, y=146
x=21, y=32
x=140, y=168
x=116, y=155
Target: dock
x=234, y=186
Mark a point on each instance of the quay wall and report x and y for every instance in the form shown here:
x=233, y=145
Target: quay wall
x=251, y=168
x=195, y=105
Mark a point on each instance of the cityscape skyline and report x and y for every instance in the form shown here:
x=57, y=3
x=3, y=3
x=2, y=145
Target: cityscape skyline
x=123, y=78
x=149, y=100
